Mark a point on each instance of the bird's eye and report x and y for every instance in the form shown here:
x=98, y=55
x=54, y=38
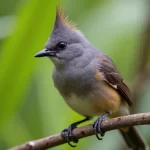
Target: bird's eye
x=62, y=45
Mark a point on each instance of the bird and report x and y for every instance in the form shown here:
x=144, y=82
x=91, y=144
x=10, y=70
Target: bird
x=88, y=81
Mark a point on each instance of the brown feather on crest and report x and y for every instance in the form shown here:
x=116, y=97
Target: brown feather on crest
x=61, y=18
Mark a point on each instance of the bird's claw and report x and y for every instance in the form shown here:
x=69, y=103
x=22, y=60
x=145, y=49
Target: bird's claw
x=67, y=135
x=97, y=126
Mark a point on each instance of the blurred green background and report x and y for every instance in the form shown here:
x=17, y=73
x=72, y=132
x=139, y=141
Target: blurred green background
x=30, y=106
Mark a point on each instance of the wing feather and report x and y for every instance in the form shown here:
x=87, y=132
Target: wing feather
x=113, y=77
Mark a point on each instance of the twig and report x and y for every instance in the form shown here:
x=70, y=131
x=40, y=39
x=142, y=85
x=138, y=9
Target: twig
x=107, y=125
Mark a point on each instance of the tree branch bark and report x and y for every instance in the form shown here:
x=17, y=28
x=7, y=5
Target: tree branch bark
x=107, y=125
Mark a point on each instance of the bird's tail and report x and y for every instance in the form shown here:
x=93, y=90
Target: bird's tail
x=134, y=139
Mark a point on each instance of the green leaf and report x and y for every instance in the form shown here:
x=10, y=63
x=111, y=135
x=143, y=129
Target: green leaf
x=17, y=53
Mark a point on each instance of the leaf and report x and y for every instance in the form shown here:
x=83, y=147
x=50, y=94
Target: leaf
x=17, y=53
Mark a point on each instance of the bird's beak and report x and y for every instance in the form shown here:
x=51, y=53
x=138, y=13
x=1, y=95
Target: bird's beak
x=46, y=52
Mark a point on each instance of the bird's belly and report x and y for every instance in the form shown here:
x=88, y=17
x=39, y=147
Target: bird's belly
x=82, y=105
x=96, y=103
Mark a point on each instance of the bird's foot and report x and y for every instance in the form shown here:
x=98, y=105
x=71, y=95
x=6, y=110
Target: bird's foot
x=67, y=135
x=97, y=126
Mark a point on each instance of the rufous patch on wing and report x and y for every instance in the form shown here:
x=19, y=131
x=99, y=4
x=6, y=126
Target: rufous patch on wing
x=99, y=76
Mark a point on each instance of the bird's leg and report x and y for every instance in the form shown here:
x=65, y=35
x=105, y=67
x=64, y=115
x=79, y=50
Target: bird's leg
x=97, y=126
x=67, y=133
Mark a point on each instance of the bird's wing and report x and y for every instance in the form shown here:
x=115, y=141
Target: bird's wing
x=113, y=77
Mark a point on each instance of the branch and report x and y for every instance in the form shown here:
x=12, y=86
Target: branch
x=107, y=125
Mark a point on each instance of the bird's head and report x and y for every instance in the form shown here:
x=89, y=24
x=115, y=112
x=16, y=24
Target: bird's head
x=65, y=43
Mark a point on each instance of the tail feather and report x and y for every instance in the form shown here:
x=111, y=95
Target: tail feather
x=134, y=139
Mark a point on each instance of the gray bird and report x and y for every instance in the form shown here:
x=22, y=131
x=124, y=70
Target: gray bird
x=88, y=81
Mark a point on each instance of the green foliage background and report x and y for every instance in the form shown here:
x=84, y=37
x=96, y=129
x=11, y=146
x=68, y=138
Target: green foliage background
x=30, y=106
